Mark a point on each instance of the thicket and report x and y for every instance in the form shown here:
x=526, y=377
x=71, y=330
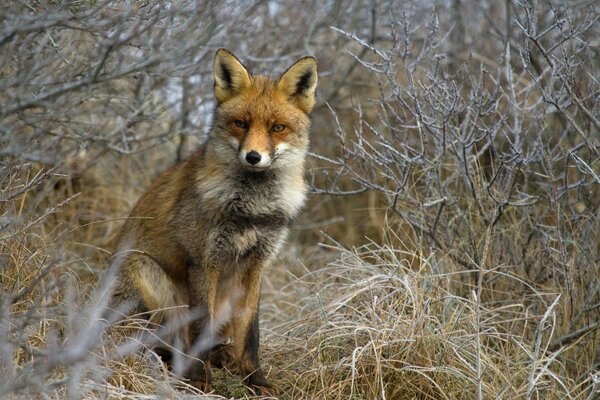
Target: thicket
x=451, y=244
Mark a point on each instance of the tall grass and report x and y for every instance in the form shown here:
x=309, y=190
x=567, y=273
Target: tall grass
x=449, y=250
x=369, y=325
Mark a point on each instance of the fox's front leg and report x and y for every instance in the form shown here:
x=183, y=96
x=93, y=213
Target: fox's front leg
x=246, y=332
x=203, y=283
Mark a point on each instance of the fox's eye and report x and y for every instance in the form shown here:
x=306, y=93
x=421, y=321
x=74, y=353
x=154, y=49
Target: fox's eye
x=278, y=128
x=240, y=124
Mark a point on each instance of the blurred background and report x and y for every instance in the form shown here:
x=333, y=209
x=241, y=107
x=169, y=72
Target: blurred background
x=450, y=247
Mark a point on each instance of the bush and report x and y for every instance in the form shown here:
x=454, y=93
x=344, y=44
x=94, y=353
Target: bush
x=449, y=250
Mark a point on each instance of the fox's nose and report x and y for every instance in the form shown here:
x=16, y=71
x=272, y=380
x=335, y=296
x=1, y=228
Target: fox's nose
x=253, y=157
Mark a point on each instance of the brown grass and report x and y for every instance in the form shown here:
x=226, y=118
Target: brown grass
x=451, y=247
x=387, y=319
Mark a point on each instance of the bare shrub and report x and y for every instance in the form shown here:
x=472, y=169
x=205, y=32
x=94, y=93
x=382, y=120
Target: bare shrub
x=456, y=171
x=492, y=159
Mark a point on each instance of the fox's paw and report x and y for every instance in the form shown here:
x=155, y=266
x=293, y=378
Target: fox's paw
x=202, y=385
x=261, y=386
x=200, y=378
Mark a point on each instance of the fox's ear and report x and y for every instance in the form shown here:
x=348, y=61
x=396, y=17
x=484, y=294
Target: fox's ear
x=230, y=75
x=299, y=83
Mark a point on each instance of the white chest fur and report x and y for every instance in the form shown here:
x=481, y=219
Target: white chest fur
x=284, y=194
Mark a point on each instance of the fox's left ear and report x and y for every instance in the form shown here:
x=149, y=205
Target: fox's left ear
x=299, y=83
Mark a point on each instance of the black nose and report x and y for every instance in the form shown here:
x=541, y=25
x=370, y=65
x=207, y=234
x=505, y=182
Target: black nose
x=253, y=157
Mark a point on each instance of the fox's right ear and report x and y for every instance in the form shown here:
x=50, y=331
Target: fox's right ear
x=230, y=75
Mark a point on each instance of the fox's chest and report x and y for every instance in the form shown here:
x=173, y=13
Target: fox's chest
x=242, y=243
x=249, y=218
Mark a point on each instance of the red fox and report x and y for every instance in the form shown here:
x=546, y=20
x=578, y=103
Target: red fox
x=198, y=240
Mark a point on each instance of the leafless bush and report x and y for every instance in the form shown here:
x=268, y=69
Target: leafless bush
x=498, y=148
x=470, y=129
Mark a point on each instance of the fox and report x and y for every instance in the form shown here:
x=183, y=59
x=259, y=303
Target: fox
x=197, y=241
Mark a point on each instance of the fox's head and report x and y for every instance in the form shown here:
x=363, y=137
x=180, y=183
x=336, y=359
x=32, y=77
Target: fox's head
x=263, y=120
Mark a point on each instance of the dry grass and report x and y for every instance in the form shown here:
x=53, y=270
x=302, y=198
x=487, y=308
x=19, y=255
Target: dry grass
x=372, y=322
x=450, y=250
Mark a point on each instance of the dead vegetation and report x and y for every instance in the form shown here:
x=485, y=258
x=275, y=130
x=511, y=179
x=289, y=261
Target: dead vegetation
x=450, y=250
